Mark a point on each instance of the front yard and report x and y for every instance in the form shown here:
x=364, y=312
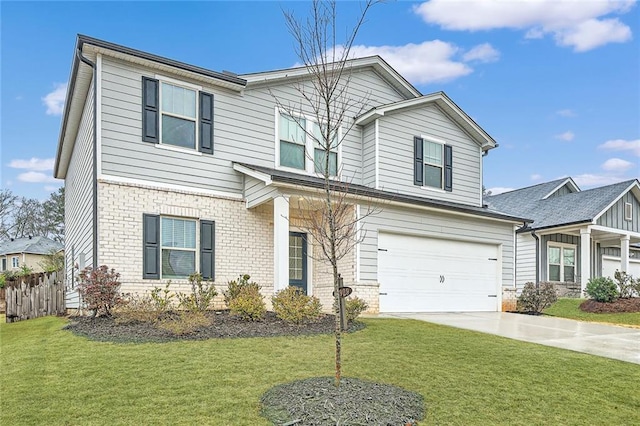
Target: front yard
x=50, y=376
x=570, y=308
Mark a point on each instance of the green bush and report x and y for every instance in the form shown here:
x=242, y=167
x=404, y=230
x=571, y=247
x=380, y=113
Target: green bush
x=248, y=304
x=293, y=306
x=3, y=280
x=201, y=297
x=536, y=299
x=161, y=298
x=354, y=307
x=602, y=289
x=235, y=287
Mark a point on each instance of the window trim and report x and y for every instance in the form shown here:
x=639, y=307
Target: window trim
x=424, y=163
x=195, y=250
x=196, y=120
x=562, y=246
x=309, y=145
x=628, y=208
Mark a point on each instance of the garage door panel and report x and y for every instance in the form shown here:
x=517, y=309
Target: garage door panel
x=610, y=265
x=420, y=274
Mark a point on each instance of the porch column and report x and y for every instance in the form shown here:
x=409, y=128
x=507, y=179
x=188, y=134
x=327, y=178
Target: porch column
x=624, y=253
x=280, y=242
x=585, y=257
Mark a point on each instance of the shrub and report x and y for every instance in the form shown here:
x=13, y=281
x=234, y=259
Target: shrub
x=248, y=304
x=626, y=284
x=602, y=289
x=24, y=271
x=134, y=308
x=161, y=298
x=354, y=307
x=201, y=297
x=293, y=306
x=186, y=322
x=534, y=299
x=3, y=280
x=99, y=289
x=235, y=287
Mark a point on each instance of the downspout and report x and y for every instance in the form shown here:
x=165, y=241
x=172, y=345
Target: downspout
x=533, y=234
x=94, y=247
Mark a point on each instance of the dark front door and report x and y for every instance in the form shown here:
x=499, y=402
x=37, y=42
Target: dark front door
x=298, y=260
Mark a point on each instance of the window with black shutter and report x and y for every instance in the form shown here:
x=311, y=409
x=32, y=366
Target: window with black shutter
x=432, y=164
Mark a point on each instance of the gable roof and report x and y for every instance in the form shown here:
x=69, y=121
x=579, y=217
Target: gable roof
x=274, y=176
x=446, y=104
x=379, y=65
x=568, y=209
x=33, y=245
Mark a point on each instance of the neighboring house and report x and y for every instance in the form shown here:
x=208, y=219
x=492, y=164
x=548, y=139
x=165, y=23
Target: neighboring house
x=30, y=251
x=601, y=225
x=171, y=168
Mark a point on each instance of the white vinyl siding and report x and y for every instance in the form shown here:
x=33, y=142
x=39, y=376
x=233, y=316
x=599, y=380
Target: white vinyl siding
x=525, y=260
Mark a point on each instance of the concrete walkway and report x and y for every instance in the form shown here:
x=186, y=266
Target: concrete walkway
x=609, y=341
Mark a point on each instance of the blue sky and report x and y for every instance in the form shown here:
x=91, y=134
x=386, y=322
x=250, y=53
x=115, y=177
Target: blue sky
x=556, y=83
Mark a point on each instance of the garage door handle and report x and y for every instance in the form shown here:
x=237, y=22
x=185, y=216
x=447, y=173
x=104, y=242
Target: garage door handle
x=383, y=294
x=492, y=295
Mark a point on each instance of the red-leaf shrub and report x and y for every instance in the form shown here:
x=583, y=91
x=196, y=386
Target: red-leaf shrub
x=99, y=289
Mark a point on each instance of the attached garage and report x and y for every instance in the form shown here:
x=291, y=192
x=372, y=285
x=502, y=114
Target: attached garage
x=610, y=264
x=420, y=274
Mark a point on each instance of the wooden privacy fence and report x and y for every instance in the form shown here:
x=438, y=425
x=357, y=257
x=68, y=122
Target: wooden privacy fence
x=31, y=299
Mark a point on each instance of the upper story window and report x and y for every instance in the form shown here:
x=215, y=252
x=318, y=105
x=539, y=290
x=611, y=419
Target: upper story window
x=432, y=164
x=176, y=114
x=628, y=211
x=561, y=263
x=300, y=146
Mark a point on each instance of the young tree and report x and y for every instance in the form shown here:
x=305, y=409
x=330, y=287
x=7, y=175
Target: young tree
x=7, y=205
x=326, y=97
x=53, y=215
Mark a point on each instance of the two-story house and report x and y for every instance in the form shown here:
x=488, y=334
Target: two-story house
x=170, y=168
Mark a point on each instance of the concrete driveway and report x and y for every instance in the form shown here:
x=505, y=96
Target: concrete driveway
x=609, y=341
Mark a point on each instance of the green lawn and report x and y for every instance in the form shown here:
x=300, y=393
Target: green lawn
x=569, y=308
x=49, y=376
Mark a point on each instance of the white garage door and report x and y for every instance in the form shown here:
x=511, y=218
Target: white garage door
x=611, y=264
x=419, y=274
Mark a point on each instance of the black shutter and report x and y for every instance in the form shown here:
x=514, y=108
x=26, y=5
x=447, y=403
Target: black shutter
x=151, y=246
x=448, y=168
x=418, y=161
x=206, y=123
x=207, y=249
x=150, y=110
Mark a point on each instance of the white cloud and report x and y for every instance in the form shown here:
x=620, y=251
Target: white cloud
x=592, y=180
x=573, y=24
x=36, y=164
x=54, y=101
x=499, y=190
x=535, y=177
x=482, y=53
x=566, y=113
x=622, y=145
x=617, y=165
x=36, y=177
x=567, y=136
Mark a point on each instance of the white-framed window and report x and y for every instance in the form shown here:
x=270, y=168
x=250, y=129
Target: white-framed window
x=628, y=211
x=178, y=247
x=178, y=115
x=15, y=262
x=298, y=146
x=561, y=262
x=3, y=265
x=433, y=163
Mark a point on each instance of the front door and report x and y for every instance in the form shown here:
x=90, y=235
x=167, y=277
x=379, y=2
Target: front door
x=298, y=260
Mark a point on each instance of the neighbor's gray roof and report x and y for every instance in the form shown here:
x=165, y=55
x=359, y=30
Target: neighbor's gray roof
x=33, y=245
x=577, y=207
x=365, y=191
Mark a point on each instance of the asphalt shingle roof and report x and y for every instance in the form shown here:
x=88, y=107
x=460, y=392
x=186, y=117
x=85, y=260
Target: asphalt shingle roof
x=33, y=245
x=576, y=207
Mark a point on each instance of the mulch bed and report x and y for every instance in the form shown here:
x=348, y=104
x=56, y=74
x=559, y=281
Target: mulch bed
x=223, y=325
x=317, y=402
x=631, y=304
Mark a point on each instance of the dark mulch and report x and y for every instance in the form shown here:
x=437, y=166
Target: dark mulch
x=223, y=325
x=617, y=306
x=317, y=402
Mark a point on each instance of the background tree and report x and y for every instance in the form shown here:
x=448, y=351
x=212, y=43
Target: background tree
x=7, y=205
x=331, y=221
x=22, y=217
x=53, y=215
